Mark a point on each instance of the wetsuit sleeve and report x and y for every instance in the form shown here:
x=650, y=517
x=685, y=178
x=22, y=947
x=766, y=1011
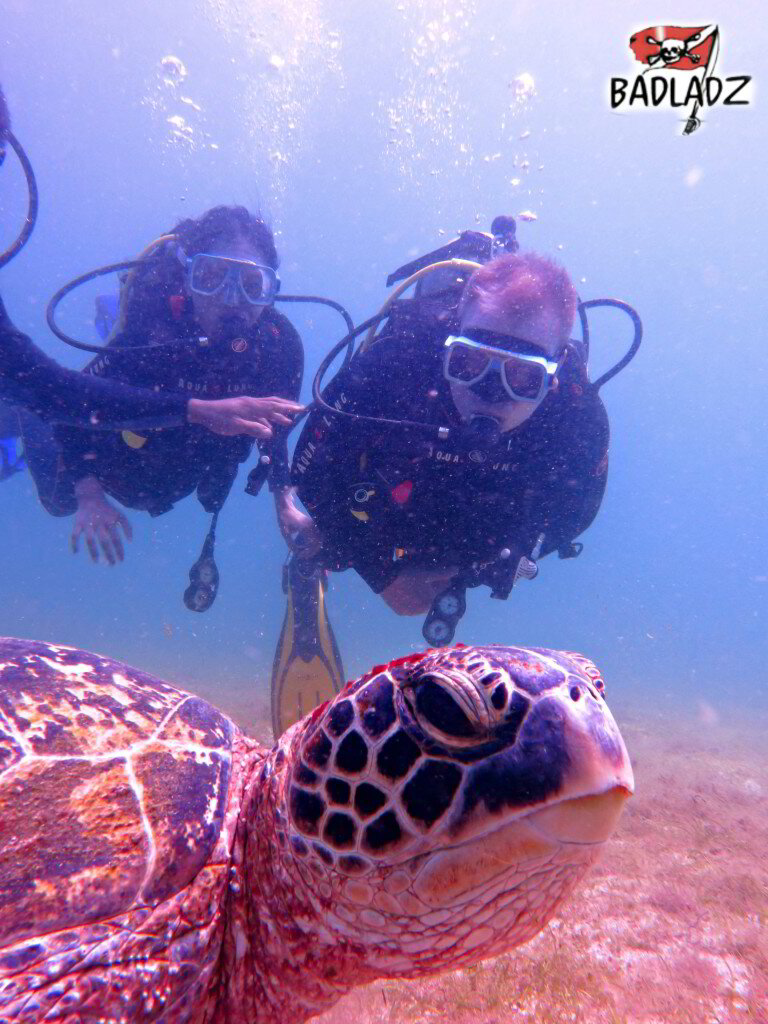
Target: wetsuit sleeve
x=124, y=363
x=30, y=378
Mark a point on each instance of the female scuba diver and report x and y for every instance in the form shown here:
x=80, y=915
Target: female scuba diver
x=196, y=316
x=31, y=380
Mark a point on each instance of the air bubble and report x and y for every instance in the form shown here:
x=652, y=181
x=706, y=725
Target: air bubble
x=524, y=87
x=174, y=69
x=693, y=177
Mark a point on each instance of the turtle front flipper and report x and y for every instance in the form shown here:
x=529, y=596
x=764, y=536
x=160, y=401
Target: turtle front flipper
x=114, y=839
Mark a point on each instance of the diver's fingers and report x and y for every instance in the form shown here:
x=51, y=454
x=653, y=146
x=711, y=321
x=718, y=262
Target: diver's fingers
x=90, y=540
x=285, y=404
x=277, y=417
x=106, y=544
x=126, y=525
x=256, y=428
x=117, y=544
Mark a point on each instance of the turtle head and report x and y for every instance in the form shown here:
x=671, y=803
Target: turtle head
x=442, y=806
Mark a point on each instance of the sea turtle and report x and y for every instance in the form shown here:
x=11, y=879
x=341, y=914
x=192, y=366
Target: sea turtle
x=156, y=864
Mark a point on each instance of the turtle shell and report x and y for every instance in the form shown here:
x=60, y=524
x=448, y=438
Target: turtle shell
x=113, y=789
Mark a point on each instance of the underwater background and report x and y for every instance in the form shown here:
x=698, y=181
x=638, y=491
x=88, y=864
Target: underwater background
x=368, y=133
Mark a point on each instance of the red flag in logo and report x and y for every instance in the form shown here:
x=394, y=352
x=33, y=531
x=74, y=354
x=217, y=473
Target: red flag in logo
x=673, y=46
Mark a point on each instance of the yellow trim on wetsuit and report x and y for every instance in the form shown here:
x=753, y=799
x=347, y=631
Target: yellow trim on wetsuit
x=133, y=440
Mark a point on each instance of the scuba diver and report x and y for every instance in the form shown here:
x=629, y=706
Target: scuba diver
x=33, y=381
x=264, y=349
x=464, y=440
x=195, y=316
x=203, y=296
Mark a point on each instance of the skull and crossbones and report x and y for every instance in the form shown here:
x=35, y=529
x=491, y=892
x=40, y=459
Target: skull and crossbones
x=671, y=51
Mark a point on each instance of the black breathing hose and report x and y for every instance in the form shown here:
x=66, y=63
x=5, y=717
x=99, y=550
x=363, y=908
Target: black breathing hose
x=32, y=205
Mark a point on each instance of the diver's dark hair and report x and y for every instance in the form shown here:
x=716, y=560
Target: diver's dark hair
x=226, y=222
x=148, y=310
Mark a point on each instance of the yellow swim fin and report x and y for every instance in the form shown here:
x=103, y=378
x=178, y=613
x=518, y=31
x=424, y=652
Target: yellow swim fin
x=307, y=669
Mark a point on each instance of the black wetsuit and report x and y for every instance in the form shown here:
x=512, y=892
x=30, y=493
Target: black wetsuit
x=31, y=379
x=384, y=497
x=153, y=469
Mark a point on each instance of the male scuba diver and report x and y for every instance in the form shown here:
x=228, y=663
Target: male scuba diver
x=465, y=440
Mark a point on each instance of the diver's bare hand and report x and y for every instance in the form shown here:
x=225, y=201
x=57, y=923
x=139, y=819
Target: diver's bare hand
x=298, y=529
x=243, y=415
x=98, y=521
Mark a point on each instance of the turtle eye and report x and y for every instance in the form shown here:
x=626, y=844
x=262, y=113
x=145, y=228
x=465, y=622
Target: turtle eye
x=436, y=706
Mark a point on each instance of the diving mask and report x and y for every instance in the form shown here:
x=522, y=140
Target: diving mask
x=208, y=274
x=525, y=377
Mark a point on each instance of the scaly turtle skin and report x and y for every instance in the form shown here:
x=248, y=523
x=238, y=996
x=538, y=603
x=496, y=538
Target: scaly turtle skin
x=158, y=865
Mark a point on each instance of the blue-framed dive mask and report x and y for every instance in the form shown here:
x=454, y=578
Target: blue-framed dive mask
x=524, y=376
x=229, y=278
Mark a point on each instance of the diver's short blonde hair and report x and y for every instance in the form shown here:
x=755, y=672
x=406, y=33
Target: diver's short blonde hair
x=521, y=283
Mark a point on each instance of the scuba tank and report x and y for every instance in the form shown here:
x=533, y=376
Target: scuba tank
x=438, y=278
x=478, y=246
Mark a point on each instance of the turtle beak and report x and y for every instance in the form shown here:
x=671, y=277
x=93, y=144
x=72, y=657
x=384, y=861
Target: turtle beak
x=585, y=820
x=598, y=780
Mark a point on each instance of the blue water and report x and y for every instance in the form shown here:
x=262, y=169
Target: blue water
x=367, y=134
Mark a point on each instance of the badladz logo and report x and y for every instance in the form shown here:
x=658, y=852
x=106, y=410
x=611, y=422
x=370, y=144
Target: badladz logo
x=680, y=74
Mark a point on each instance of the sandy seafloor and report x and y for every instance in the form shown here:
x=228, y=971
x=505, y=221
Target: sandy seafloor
x=670, y=927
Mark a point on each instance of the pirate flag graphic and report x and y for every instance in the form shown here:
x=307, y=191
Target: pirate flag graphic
x=678, y=48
